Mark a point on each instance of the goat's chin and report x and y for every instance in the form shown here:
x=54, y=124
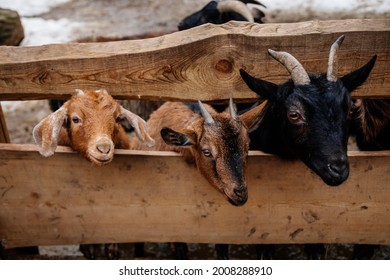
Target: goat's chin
x=236, y=201
x=334, y=181
x=99, y=161
x=330, y=178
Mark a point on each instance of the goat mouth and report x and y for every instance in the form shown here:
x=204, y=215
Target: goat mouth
x=237, y=201
x=330, y=177
x=100, y=161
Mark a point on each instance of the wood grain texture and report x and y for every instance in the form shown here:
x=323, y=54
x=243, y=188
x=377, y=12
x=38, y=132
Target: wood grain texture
x=157, y=197
x=201, y=63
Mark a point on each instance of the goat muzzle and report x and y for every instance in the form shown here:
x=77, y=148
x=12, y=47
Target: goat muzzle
x=238, y=196
x=101, y=150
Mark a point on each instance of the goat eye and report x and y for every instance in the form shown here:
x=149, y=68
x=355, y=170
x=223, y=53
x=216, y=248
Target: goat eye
x=206, y=153
x=294, y=116
x=76, y=120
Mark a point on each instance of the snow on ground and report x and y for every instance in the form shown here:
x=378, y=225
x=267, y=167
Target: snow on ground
x=290, y=11
x=39, y=31
x=60, y=21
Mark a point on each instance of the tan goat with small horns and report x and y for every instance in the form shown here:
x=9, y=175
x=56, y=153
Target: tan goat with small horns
x=90, y=124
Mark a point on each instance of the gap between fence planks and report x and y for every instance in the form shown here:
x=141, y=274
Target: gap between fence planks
x=4, y=135
x=157, y=197
x=201, y=63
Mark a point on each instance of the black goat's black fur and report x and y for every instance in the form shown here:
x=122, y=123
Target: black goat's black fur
x=210, y=14
x=320, y=138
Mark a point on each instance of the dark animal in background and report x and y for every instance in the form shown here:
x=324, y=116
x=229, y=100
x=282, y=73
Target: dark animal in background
x=308, y=117
x=371, y=127
x=219, y=12
x=371, y=124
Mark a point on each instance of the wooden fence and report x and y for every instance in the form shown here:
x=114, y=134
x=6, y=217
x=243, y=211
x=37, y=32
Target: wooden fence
x=156, y=196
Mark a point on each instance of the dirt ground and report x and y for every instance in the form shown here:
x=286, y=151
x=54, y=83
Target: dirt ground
x=125, y=18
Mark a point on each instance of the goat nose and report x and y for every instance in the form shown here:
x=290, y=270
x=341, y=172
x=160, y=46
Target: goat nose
x=339, y=165
x=242, y=193
x=103, y=148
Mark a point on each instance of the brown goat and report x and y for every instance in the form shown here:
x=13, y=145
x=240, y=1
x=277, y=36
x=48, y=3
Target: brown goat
x=216, y=142
x=90, y=124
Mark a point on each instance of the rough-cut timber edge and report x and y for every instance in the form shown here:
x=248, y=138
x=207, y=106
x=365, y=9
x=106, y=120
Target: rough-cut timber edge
x=4, y=135
x=201, y=63
x=157, y=197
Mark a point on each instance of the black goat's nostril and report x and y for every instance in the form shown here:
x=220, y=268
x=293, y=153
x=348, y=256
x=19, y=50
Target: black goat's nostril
x=338, y=167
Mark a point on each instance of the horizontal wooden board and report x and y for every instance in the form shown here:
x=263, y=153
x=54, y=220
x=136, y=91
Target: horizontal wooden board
x=157, y=197
x=201, y=63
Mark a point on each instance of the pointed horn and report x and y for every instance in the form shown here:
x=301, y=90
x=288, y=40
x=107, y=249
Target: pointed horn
x=297, y=72
x=78, y=92
x=206, y=115
x=333, y=66
x=237, y=7
x=232, y=110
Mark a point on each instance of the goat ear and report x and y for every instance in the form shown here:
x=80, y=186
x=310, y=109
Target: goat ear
x=46, y=133
x=354, y=79
x=139, y=126
x=253, y=117
x=175, y=138
x=264, y=89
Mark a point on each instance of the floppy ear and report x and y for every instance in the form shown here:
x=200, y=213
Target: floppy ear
x=139, y=126
x=175, y=138
x=47, y=132
x=264, y=89
x=354, y=79
x=253, y=117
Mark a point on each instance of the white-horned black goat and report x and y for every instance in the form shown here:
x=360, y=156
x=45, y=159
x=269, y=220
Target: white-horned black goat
x=308, y=116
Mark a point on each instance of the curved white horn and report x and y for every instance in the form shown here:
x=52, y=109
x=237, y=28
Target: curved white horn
x=236, y=6
x=297, y=72
x=333, y=65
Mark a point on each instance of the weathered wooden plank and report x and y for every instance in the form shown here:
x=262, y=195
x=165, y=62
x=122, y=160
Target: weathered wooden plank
x=4, y=135
x=201, y=63
x=155, y=196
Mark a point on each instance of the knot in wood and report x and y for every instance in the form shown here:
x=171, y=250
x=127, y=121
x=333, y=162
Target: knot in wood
x=224, y=66
x=167, y=68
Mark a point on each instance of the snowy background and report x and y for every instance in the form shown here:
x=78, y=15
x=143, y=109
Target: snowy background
x=62, y=21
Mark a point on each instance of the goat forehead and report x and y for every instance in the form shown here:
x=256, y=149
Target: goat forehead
x=225, y=133
x=331, y=99
x=94, y=104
